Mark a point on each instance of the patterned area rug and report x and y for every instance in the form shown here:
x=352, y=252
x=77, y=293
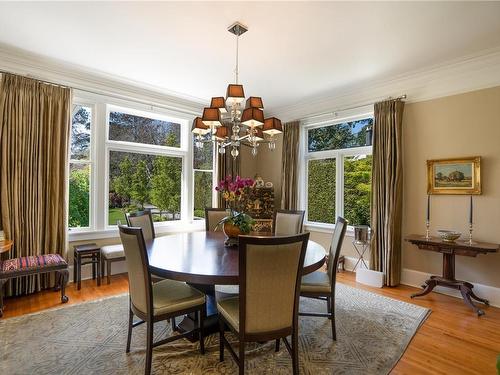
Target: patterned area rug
x=373, y=332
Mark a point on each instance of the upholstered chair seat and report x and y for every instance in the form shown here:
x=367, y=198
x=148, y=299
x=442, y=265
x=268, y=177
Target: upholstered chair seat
x=171, y=295
x=113, y=251
x=316, y=282
x=230, y=310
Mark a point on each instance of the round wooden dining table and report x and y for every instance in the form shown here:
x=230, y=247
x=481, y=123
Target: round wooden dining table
x=202, y=258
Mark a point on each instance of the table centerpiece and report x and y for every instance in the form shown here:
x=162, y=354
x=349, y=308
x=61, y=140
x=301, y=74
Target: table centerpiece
x=235, y=193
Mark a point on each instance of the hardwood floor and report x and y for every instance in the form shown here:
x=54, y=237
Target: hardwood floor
x=453, y=340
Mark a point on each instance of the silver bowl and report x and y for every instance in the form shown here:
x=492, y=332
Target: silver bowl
x=449, y=235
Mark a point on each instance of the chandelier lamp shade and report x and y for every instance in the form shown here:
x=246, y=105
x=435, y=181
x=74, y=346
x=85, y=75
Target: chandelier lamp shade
x=230, y=125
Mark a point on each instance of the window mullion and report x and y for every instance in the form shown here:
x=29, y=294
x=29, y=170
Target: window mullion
x=339, y=186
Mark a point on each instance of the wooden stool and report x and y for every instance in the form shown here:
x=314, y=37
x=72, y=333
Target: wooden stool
x=84, y=254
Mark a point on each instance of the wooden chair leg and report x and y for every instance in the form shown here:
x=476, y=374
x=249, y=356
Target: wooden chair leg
x=63, y=281
x=174, y=324
x=98, y=268
x=108, y=271
x=221, y=340
x=1, y=296
x=295, y=353
x=242, y=358
x=332, y=317
x=74, y=268
x=103, y=270
x=129, y=334
x=79, y=270
x=149, y=348
x=92, y=259
x=277, y=345
x=201, y=324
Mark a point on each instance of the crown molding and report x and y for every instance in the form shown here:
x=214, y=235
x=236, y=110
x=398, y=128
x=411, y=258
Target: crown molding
x=469, y=73
x=18, y=61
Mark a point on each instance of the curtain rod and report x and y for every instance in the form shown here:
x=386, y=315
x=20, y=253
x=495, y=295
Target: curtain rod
x=145, y=102
x=334, y=113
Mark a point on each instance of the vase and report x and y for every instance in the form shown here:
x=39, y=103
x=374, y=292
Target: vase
x=232, y=232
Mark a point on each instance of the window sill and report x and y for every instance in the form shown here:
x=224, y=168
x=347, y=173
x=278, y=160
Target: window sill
x=327, y=228
x=178, y=227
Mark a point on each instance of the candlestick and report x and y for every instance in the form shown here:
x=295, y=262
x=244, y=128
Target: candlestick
x=470, y=235
x=470, y=211
x=428, y=207
x=427, y=231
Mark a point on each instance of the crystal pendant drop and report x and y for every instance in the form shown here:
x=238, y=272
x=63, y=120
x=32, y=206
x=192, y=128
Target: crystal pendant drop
x=235, y=153
x=254, y=151
x=222, y=150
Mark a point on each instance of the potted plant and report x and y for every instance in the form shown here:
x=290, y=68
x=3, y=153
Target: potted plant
x=235, y=193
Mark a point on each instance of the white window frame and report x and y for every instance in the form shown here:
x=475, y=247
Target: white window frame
x=181, y=152
x=339, y=155
x=101, y=147
x=213, y=171
x=90, y=162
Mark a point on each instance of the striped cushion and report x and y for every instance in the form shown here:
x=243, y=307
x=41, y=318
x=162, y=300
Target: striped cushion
x=31, y=263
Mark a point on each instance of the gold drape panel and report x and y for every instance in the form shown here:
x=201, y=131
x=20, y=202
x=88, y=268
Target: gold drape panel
x=226, y=165
x=387, y=190
x=34, y=137
x=289, y=166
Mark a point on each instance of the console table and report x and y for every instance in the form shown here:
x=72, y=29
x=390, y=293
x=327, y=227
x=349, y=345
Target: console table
x=449, y=250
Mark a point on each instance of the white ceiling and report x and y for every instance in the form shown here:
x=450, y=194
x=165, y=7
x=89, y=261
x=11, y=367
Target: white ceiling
x=293, y=51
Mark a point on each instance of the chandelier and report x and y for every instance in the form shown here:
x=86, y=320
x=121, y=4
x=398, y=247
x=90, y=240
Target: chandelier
x=230, y=125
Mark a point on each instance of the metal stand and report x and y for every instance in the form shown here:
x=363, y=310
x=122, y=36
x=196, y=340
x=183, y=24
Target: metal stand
x=360, y=249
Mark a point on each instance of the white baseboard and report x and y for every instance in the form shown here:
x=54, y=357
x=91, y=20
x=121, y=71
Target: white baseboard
x=417, y=278
x=116, y=268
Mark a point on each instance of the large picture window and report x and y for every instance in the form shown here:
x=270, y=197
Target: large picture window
x=127, y=156
x=338, y=172
x=145, y=173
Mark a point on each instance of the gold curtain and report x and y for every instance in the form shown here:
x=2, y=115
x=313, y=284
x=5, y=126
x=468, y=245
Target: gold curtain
x=226, y=165
x=387, y=190
x=34, y=137
x=289, y=166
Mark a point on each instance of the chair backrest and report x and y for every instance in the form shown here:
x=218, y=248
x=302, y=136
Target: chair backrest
x=136, y=258
x=288, y=223
x=335, y=247
x=143, y=220
x=270, y=270
x=212, y=217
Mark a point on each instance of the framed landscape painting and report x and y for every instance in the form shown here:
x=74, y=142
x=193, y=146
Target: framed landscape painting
x=454, y=176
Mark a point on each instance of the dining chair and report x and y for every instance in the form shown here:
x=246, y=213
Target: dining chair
x=213, y=216
x=114, y=253
x=321, y=285
x=266, y=309
x=159, y=301
x=143, y=220
x=288, y=222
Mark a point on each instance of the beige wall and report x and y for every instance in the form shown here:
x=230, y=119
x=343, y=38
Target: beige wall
x=454, y=126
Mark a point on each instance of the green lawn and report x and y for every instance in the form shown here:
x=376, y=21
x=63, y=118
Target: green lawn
x=114, y=215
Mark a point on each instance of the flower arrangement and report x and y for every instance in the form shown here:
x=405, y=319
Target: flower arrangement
x=235, y=193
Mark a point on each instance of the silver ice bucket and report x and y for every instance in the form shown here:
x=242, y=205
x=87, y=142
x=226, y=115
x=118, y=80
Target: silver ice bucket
x=361, y=234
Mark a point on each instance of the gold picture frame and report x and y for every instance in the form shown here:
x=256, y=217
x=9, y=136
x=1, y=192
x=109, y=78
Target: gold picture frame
x=454, y=176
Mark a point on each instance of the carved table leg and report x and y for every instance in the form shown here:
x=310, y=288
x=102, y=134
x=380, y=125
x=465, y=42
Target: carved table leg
x=63, y=276
x=466, y=294
x=471, y=292
x=429, y=285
